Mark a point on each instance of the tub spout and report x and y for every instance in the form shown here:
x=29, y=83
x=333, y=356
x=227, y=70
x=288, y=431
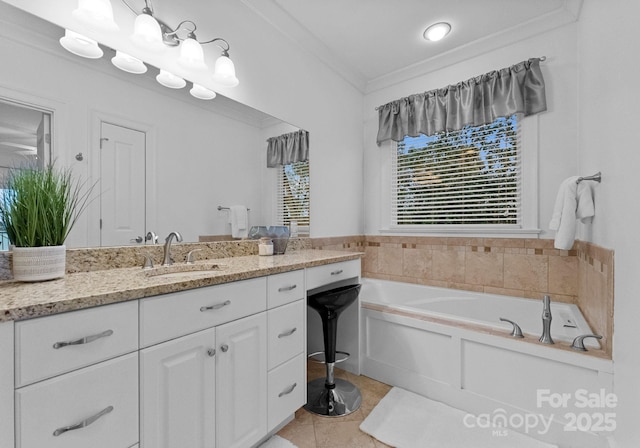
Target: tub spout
x=546, y=321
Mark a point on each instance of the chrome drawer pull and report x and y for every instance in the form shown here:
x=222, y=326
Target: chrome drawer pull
x=287, y=333
x=84, y=340
x=83, y=423
x=287, y=288
x=217, y=306
x=287, y=391
x=338, y=272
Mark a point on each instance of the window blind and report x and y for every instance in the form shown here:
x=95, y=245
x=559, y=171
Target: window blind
x=293, y=193
x=470, y=177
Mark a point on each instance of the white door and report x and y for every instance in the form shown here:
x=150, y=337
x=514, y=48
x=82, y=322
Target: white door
x=122, y=185
x=241, y=382
x=177, y=393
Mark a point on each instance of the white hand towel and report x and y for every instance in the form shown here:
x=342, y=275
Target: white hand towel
x=239, y=220
x=574, y=201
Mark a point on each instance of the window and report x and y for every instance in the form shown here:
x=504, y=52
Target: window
x=470, y=177
x=293, y=194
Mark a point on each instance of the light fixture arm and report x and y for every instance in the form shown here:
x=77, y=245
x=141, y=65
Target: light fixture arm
x=225, y=51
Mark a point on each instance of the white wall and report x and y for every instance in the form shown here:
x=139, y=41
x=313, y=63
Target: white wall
x=557, y=127
x=607, y=141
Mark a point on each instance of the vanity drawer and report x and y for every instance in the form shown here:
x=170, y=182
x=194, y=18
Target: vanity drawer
x=285, y=332
x=92, y=335
x=330, y=273
x=287, y=390
x=174, y=315
x=285, y=288
x=48, y=407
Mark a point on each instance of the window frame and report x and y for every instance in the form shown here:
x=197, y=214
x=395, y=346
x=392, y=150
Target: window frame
x=528, y=228
x=279, y=175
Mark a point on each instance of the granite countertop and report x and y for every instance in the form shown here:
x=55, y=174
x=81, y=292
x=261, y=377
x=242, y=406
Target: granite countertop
x=87, y=289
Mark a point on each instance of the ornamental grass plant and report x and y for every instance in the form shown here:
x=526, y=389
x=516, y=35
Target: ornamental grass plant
x=39, y=206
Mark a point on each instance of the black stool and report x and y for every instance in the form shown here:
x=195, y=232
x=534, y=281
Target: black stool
x=332, y=397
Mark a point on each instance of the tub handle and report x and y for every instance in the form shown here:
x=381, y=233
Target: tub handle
x=578, y=342
x=516, y=332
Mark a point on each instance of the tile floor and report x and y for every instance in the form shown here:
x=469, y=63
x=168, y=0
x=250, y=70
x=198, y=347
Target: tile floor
x=312, y=431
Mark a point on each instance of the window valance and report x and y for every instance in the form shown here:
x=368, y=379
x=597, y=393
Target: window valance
x=288, y=148
x=477, y=101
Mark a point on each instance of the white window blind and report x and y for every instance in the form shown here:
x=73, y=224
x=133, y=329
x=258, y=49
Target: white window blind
x=467, y=177
x=293, y=194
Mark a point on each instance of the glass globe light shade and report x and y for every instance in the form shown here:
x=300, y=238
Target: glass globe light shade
x=224, y=72
x=170, y=80
x=147, y=33
x=192, y=55
x=128, y=63
x=96, y=13
x=202, y=92
x=80, y=45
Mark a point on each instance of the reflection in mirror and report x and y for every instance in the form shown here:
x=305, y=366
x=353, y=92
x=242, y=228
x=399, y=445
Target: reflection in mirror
x=196, y=154
x=25, y=139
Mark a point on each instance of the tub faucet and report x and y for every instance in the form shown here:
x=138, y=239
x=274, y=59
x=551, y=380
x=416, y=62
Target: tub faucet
x=167, y=248
x=546, y=321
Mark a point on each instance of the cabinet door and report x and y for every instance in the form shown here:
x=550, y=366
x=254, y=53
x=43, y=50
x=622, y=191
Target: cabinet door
x=178, y=392
x=241, y=383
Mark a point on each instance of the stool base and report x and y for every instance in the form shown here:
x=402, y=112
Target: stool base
x=342, y=400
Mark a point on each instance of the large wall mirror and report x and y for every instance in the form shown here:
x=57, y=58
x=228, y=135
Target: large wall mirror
x=192, y=155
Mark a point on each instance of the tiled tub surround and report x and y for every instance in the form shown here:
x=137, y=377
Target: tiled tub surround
x=528, y=268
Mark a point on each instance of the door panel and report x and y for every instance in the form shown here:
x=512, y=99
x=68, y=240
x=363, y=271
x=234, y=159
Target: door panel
x=122, y=185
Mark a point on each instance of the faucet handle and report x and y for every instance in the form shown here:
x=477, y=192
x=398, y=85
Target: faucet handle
x=517, y=332
x=151, y=236
x=148, y=261
x=190, y=259
x=578, y=342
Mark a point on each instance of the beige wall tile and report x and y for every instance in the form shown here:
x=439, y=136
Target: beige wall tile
x=448, y=265
x=390, y=259
x=527, y=272
x=563, y=275
x=484, y=268
x=370, y=260
x=417, y=263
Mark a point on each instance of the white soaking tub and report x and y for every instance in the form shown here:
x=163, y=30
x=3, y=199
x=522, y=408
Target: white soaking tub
x=450, y=346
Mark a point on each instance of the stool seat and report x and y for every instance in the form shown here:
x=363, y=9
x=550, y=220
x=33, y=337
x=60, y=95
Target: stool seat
x=329, y=396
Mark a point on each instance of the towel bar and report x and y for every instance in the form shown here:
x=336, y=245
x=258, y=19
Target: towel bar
x=220, y=207
x=597, y=177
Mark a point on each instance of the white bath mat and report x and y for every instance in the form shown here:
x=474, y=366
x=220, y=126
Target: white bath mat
x=277, y=442
x=403, y=419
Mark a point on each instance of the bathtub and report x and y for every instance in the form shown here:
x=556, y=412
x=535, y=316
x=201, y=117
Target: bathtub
x=450, y=346
x=478, y=309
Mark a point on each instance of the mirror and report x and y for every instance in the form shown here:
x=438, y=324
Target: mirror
x=195, y=155
x=25, y=139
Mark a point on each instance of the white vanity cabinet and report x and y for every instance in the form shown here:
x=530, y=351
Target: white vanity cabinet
x=76, y=379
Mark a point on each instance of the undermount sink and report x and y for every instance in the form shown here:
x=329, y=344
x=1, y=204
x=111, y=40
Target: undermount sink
x=184, y=270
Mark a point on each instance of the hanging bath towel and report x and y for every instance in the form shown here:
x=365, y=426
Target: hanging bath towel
x=574, y=201
x=239, y=220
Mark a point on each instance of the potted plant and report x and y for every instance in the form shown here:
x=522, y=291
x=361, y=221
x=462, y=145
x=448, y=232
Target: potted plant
x=38, y=208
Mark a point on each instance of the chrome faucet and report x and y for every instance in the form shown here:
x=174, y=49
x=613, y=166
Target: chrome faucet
x=546, y=321
x=167, y=248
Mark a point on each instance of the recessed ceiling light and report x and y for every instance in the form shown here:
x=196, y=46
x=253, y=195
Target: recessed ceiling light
x=437, y=31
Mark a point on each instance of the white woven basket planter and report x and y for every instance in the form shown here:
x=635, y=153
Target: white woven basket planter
x=35, y=264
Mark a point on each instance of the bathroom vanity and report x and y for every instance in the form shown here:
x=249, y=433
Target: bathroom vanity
x=132, y=360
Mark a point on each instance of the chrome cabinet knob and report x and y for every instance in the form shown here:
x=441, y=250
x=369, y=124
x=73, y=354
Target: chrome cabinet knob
x=211, y=352
x=224, y=348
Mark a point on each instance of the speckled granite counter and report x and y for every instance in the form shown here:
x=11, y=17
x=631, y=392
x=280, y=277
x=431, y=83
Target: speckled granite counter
x=86, y=289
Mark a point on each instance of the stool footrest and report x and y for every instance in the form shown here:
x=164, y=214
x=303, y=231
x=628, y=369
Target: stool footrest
x=343, y=359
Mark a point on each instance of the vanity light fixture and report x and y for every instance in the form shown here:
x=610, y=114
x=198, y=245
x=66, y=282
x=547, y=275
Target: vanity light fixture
x=128, y=63
x=170, y=80
x=80, y=45
x=201, y=92
x=437, y=31
x=153, y=35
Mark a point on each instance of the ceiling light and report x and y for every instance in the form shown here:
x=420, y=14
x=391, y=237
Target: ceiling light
x=170, y=80
x=437, y=31
x=80, y=45
x=96, y=13
x=202, y=92
x=128, y=63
